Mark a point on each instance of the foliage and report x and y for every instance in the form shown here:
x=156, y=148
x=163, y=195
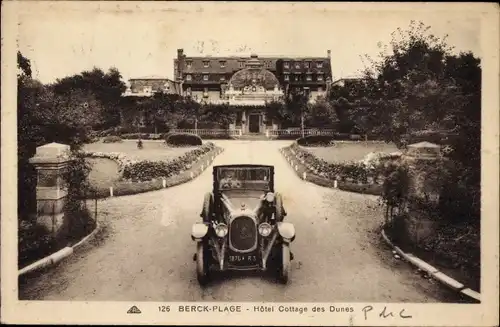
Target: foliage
x=106, y=87
x=112, y=139
x=33, y=242
x=183, y=139
x=315, y=140
x=321, y=113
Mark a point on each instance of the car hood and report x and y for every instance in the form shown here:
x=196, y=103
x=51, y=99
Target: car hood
x=243, y=200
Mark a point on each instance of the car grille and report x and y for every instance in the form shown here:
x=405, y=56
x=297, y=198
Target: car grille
x=243, y=234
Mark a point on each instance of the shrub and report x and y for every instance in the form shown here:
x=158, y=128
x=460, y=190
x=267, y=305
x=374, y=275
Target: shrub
x=34, y=242
x=315, y=140
x=342, y=136
x=112, y=139
x=287, y=137
x=183, y=139
x=133, y=136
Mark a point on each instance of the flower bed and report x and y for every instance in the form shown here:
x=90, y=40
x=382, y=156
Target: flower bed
x=362, y=177
x=143, y=176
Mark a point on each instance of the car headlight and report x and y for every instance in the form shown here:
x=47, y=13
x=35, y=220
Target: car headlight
x=270, y=197
x=221, y=230
x=265, y=229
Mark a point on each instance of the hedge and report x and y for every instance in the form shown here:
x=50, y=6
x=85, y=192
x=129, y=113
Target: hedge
x=144, y=136
x=183, y=139
x=315, y=140
x=112, y=139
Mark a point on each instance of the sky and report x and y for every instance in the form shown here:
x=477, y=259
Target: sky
x=142, y=39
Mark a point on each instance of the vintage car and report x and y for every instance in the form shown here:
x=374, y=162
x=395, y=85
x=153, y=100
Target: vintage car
x=242, y=225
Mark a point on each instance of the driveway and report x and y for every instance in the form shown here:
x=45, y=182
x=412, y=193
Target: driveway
x=145, y=251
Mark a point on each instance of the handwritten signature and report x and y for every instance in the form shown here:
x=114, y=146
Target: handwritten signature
x=385, y=313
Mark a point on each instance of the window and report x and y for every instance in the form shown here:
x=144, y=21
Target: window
x=309, y=77
x=206, y=63
x=188, y=77
x=297, y=65
x=297, y=78
x=286, y=64
x=287, y=77
x=241, y=64
x=306, y=64
x=319, y=64
x=320, y=77
x=205, y=77
x=189, y=64
x=223, y=78
x=222, y=64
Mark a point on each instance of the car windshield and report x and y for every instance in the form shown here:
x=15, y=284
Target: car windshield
x=250, y=178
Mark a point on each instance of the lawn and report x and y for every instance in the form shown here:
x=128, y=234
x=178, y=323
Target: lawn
x=155, y=151
x=104, y=172
x=344, y=152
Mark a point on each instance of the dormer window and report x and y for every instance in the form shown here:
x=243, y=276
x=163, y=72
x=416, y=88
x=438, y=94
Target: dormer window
x=189, y=63
x=222, y=64
x=297, y=65
x=206, y=63
x=205, y=77
x=319, y=64
x=188, y=77
x=306, y=64
x=286, y=64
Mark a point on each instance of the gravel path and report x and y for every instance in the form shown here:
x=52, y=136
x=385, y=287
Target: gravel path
x=145, y=251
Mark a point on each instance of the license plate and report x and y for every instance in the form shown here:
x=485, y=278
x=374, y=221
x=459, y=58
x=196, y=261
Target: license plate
x=243, y=258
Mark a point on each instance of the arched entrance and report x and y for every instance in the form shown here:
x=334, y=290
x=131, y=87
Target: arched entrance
x=248, y=91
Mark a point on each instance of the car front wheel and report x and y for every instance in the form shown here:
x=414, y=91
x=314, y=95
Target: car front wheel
x=284, y=270
x=202, y=265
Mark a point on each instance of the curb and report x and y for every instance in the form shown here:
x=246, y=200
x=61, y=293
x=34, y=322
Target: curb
x=433, y=272
x=58, y=256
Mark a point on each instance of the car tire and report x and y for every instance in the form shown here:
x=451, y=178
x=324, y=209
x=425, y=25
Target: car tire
x=280, y=211
x=202, y=265
x=284, y=271
x=208, y=205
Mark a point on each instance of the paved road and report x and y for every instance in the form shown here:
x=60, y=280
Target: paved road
x=145, y=252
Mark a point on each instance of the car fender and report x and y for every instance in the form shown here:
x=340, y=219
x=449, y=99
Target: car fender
x=199, y=231
x=286, y=231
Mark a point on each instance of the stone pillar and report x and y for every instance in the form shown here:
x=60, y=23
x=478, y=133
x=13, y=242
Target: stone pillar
x=51, y=161
x=421, y=159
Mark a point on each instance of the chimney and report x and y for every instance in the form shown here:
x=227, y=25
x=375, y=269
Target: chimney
x=180, y=53
x=329, y=53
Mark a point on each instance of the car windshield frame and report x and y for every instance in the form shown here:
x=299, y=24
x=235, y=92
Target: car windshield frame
x=242, y=173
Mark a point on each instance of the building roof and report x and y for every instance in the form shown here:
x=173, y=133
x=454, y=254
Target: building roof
x=150, y=77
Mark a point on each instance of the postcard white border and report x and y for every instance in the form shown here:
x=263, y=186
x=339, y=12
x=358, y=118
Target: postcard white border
x=49, y=312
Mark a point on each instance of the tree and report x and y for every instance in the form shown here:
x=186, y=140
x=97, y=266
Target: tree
x=107, y=88
x=321, y=113
x=420, y=85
